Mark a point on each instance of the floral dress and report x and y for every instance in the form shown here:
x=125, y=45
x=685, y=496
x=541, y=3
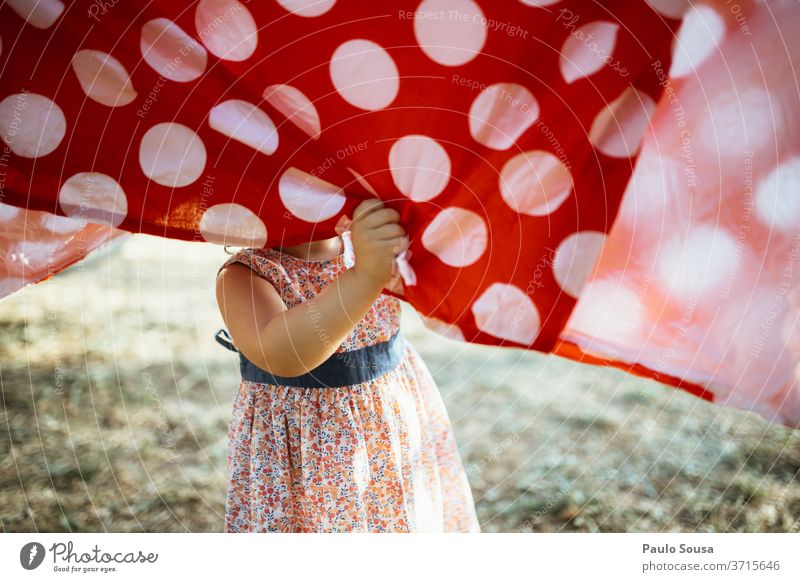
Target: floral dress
x=318, y=454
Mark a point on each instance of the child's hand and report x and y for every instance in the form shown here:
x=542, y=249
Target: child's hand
x=377, y=239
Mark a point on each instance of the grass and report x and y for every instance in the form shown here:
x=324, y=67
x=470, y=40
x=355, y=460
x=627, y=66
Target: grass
x=115, y=401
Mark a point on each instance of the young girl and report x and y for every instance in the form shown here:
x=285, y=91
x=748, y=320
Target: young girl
x=338, y=425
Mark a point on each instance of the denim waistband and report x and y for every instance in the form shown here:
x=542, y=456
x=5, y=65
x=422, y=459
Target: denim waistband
x=341, y=369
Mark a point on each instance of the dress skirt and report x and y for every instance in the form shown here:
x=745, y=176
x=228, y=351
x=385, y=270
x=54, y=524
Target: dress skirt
x=373, y=457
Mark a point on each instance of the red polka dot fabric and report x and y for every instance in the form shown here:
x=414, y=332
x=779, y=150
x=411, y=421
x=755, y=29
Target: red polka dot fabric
x=505, y=133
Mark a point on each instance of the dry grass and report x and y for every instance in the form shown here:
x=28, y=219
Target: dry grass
x=116, y=400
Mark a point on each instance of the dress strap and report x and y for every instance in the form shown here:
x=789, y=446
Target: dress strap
x=263, y=264
x=244, y=256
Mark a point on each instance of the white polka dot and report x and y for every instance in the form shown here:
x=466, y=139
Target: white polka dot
x=171, y=52
x=619, y=128
x=535, y=183
x=739, y=120
x=575, y=260
x=234, y=225
x=32, y=125
x=420, y=167
x=245, y=123
x=364, y=74
x=669, y=8
x=457, y=237
x=308, y=197
x=93, y=197
x=8, y=212
x=35, y=255
x=696, y=263
x=295, y=106
x=501, y=114
x=450, y=32
x=790, y=332
x=451, y=331
x=698, y=38
x=608, y=311
x=56, y=225
x=103, y=78
x=540, y=3
x=307, y=8
x=38, y=13
x=227, y=29
x=587, y=50
x=777, y=198
x=363, y=181
x=506, y=312
x=171, y=154
x=9, y=285
x=654, y=182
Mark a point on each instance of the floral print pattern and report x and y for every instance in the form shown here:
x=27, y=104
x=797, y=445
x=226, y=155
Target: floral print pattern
x=373, y=457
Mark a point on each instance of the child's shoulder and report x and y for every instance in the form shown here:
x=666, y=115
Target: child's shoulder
x=259, y=260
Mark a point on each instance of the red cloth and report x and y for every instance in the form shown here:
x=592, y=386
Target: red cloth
x=505, y=133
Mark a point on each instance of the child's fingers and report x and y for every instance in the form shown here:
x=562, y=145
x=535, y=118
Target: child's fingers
x=401, y=245
x=365, y=208
x=380, y=217
x=389, y=231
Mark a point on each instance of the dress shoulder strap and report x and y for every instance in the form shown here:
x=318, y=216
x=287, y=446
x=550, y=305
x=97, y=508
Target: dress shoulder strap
x=261, y=262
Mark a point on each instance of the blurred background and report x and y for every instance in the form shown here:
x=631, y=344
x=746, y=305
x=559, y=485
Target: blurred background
x=116, y=398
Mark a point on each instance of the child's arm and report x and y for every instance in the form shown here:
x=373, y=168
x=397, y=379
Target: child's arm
x=290, y=342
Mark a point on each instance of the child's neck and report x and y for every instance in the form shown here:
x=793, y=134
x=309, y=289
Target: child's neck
x=319, y=250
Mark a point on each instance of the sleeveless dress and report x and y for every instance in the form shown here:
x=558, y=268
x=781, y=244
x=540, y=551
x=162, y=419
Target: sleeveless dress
x=362, y=443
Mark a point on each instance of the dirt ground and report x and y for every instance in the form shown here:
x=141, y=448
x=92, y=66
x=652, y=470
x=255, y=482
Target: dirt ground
x=116, y=401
